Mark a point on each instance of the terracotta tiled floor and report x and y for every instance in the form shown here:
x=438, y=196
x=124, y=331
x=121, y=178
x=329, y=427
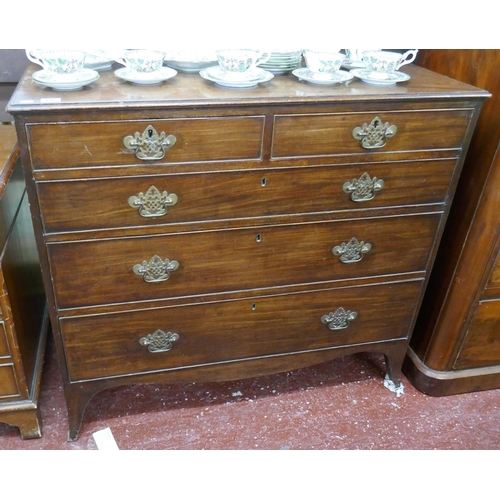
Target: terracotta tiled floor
x=340, y=405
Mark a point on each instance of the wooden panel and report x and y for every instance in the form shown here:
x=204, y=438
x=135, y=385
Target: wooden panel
x=481, y=346
x=102, y=347
x=4, y=346
x=8, y=385
x=95, y=272
x=494, y=281
x=91, y=144
x=102, y=203
x=330, y=134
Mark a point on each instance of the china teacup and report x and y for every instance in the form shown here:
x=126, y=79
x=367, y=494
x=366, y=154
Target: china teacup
x=324, y=61
x=60, y=61
x=241, y=60
x=384, y=61
x=356, y=55
x=142, y=60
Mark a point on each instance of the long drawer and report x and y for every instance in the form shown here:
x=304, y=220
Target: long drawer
x=102, y=271
x=74, y=205
x=102, y=143
x=330, y=134
x=136, y=342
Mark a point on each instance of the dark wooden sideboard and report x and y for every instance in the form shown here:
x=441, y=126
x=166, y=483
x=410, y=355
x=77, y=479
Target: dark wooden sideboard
x=23, y=313
x=263, y=230
x=455, y=347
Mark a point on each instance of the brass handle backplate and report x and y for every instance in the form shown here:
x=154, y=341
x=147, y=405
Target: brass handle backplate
x=364, y=188
x=153, y=203
x=375, y=134
x=149, y=145
x=156, y=269
x=159, y=341
x=352, y=251
x=339, y=320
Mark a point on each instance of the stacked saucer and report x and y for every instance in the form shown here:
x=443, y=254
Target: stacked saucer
x=190, y=61
x=232, y=79
x=283, y=61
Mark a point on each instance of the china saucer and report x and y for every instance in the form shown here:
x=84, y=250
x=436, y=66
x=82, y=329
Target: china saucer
x=374, y=78
x=153, y=78
x=251, y=79
x=74, y=81
x=322, y=78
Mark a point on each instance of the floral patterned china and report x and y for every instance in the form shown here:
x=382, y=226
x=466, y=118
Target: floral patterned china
x=146, y=78
x=75, y=81
x=378, y=78
x=322, y=78
x=227, y=78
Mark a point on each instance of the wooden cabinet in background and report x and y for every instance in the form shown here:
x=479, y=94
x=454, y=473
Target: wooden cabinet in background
x=23, y=315
x=194, y=233
x=455, y=347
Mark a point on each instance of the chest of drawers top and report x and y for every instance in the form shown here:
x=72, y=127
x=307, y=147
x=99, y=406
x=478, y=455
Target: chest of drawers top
x=112, y=94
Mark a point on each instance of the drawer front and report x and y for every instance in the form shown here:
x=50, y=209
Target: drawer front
x=101, y=272
x=4, y=346
x=92, y=144
x=8, y=384
x=110, y=346
x=331, y=134
x=481, y=346
x=104, y=203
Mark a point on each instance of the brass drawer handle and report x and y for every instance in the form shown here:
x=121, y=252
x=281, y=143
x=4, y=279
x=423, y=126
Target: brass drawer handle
x=339, y=320
x=156, y=269
x=364, y=188
x=149, y=145
x=352, y=251
x=159, y=341
x=374, y=135
x=153, y=203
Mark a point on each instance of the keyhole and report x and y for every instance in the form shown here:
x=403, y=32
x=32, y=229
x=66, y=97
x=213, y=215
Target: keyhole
x=258, y=238
x=150, y=132
x=263, y=182
x=254, y=306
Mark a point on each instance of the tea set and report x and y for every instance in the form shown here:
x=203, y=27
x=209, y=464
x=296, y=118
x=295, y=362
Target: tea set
x=233, y=68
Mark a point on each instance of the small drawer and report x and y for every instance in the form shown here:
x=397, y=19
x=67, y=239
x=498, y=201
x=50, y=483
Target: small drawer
x=81, y=205
x=4, y=346
x=169, y=338
x=95, y=144
x=332, y=134
x=8, y=383
x=97, y=272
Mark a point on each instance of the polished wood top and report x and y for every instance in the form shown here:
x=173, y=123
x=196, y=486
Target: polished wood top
x=191, y=89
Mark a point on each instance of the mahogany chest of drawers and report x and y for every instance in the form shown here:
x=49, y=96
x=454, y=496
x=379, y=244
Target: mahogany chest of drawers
x=192, y=233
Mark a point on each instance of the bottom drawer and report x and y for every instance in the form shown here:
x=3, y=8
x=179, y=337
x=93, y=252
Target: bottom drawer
x=118, y=344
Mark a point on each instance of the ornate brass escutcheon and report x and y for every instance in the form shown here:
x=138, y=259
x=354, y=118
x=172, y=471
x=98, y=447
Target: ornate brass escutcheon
x=156, y=269
x=159, y=341
x=153, y=203
x=339, y=319
x=364, y=188
x=374, y=135
x=352, y=251
x=149, y=145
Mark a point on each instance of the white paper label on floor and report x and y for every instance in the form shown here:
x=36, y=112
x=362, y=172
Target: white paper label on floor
x=104, y=440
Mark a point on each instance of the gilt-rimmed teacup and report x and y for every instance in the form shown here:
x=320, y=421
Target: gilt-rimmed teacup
x=384, y=61
x=142, y=60
x=241, y=60
x=324, y=61
x=60, y=61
